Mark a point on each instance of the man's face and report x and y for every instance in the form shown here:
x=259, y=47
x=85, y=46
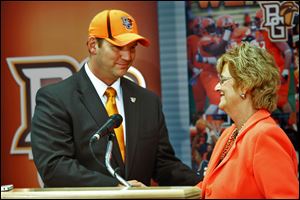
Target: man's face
x=113, y=61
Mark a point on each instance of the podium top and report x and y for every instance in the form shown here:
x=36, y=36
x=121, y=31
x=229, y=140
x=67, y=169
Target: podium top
x=182, y=192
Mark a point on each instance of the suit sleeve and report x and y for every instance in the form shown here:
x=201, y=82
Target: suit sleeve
x=53, y=146
x=275, y=157
x=169, y=169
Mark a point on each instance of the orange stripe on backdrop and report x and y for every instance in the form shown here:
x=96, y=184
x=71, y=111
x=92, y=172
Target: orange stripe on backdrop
x=57, y=28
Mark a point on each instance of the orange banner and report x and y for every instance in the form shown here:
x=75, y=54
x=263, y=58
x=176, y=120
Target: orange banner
x=44, y=42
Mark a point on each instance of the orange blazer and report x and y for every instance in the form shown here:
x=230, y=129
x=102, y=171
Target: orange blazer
x=261, y=163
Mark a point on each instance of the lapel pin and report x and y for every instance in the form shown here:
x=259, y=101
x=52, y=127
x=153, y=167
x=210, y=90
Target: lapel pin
x=132, y=99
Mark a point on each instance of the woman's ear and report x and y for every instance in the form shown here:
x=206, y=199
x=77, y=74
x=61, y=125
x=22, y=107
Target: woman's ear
x=243, y=92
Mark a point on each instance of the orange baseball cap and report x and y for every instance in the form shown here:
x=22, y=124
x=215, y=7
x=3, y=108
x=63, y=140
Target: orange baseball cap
x=117, y=27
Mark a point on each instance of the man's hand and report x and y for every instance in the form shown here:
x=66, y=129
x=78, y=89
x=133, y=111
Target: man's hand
x=134, y=183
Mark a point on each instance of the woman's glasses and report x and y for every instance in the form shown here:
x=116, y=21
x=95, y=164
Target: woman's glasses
x=222, y=80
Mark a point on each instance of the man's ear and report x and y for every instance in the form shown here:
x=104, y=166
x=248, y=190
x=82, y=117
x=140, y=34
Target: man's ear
x=92, y=45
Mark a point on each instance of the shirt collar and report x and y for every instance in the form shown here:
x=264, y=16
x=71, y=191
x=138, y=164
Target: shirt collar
x=100, y=86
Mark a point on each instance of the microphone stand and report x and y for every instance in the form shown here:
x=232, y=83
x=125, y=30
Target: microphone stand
x=107, y=161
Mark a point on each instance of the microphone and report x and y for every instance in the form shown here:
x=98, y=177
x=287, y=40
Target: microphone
x=114, y=121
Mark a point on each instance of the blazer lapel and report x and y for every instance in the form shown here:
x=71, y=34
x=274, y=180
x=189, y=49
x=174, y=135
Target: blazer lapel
x=131, y=104
x=90, y=98
x=214, y=162
x=256, y=117
x=93, y=104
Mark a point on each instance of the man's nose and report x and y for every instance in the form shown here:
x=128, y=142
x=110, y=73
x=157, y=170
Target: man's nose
x=126, y=55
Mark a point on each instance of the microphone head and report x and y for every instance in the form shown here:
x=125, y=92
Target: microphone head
x=117, y=118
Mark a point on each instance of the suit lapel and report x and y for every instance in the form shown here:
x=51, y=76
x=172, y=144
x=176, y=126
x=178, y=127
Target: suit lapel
x=89, y=97
x=131, y=104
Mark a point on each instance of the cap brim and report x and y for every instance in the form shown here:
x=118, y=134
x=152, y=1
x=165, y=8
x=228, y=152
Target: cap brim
x=126, y=38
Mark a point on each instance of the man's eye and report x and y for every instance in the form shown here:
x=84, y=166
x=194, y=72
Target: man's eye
x=116, y=48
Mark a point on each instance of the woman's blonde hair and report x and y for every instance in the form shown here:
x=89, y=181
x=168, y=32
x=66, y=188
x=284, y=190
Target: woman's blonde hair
x=255, y=70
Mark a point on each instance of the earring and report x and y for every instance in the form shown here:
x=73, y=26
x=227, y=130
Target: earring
x=243, y=96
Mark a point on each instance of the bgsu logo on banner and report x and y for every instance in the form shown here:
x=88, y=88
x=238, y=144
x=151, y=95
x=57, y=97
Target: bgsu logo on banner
x=279, y=18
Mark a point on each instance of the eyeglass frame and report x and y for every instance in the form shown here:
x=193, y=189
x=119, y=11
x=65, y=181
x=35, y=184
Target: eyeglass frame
x=222, y=80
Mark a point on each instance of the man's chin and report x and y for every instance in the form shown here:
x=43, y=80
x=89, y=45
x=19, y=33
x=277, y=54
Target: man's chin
x=121, y=72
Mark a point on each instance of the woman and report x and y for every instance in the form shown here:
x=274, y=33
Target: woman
x=253, y=158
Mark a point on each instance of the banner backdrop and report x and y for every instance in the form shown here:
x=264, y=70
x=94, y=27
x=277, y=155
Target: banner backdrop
x=272, y=25
x=45, y=42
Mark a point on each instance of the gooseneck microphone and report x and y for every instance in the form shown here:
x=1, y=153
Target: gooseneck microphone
x=114, y=121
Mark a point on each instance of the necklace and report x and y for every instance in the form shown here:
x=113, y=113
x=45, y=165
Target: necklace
x=229, y=143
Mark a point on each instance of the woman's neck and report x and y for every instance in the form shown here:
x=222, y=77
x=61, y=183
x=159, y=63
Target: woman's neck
x=242, y=116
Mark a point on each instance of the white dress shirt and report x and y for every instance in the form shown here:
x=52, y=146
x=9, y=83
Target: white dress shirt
x=101, y=87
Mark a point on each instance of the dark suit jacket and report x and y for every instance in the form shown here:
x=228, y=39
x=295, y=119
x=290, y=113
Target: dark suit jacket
x=66, y=116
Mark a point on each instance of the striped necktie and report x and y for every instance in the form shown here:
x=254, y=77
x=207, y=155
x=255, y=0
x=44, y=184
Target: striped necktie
x=111, y=109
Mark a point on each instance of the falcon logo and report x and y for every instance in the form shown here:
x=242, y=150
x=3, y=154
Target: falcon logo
x=127, y=22
x=278, y=18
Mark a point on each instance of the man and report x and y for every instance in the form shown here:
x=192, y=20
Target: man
x=68, y=113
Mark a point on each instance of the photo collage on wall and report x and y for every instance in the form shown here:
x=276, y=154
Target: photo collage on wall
x=207, y=40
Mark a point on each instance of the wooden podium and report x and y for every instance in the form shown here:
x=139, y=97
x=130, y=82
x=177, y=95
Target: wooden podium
x=182, y=192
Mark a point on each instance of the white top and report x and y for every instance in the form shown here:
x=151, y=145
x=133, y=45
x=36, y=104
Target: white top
x=101, y=87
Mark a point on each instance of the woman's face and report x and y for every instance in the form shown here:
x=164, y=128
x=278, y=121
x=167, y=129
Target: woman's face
x=229, y=97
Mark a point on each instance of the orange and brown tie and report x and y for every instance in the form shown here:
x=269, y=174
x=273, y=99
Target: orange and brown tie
x=111, y=109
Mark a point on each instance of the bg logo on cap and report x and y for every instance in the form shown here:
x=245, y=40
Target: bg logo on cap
x=127, y=23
